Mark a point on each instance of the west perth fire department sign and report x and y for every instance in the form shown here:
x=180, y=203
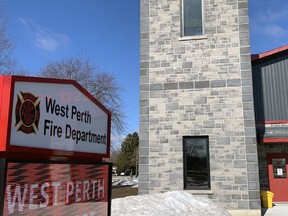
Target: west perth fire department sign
x=58, y=116
x=53, y=136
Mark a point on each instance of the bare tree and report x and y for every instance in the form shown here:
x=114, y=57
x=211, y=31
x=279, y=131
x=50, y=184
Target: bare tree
x=101, y=85
x=8, y=65
x=6, y=45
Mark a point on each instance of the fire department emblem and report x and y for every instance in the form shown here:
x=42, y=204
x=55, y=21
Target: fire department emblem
x=27, y=113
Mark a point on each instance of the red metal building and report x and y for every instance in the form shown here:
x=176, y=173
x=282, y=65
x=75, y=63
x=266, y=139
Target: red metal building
x=270, y=90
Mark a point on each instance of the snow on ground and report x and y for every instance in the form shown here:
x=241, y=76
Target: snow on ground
x=125, y=182
x=172, y=203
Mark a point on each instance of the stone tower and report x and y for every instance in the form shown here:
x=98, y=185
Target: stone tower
x=197, y=128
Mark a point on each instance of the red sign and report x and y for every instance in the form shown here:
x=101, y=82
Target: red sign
x=51, y=117
x=57, y=189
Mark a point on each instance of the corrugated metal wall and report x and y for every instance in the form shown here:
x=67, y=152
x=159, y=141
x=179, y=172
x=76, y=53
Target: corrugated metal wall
x=270, y=83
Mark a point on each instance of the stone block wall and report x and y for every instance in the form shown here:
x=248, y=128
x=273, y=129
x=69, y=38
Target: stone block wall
x=198, y=86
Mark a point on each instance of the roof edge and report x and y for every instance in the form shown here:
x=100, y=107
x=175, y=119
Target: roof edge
x=269, y=53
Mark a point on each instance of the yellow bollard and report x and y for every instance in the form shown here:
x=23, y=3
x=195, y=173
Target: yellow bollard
x=267, y=199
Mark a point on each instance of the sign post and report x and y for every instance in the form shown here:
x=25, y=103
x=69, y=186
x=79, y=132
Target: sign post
x=53, y=136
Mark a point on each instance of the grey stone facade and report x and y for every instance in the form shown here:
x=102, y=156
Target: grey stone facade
x=198, y=86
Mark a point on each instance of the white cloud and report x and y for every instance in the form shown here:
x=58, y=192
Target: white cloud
x=277, y=16
x=268, y=11
x=275, y=31
x=269, y=22
x=264, y=16
x=44, y=38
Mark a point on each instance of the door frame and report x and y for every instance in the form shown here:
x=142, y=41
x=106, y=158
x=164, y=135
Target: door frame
x=271, y=174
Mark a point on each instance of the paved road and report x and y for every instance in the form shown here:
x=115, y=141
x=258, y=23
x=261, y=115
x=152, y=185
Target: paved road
x=277, y=210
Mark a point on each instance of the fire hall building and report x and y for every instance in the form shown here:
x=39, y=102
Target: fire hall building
x=213, y=118
x=270, y=77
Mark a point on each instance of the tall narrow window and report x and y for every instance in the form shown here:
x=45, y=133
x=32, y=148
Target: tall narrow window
x=196, y=162
x=192, y=21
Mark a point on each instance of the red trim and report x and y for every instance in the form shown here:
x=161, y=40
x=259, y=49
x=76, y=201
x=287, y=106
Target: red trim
x=273, y=122
x=108, y=136
x=7, y=84
x=51, y=152
x=5, y=87
x=269, y=53
x=273, y=140
x=39, y=157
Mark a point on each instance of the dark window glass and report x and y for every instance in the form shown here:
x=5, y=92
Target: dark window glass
x=196, y=162
x=192, y=17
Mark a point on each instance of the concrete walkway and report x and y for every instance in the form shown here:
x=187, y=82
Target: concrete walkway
x=277, y=210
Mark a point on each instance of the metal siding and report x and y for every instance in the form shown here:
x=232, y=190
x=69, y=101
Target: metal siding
x=270, y=80
x=257, y=93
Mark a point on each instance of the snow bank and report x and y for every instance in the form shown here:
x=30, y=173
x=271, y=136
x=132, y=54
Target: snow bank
x=125, y=182
x=166, y=204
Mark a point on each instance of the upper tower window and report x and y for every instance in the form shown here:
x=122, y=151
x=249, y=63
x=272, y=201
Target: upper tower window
x=192, y=18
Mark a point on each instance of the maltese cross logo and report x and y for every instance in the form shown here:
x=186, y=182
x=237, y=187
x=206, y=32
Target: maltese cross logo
x=27, y=113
